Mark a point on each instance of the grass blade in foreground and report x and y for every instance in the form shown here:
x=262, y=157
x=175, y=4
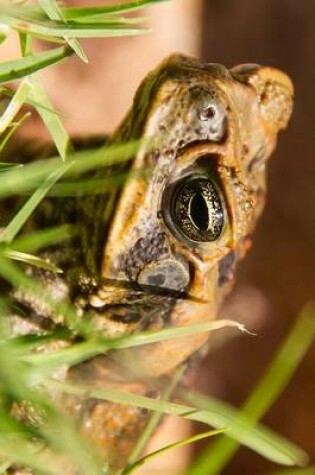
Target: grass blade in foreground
x=55, y=13
x=50, y=117
x=154, y=420
x=275, y=452
x=32, y=174
x=33, y=241
x=269, y=388
x=75, y=13
x=80, y=352
x=28, y=208
x=52, y=29
x=174, y=445
x=31, y=260
x=11, y=70
x=14, y=106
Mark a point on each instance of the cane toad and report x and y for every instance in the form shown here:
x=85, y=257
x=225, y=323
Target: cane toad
x=167, y=255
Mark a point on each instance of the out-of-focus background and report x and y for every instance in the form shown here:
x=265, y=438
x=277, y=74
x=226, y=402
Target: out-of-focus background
x=277, y=278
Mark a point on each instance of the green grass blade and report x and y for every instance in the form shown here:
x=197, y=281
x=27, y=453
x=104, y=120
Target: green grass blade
x=54, y=428
x=82, y=351
x=12, y=70
x=50, y=118
x=32, y=174
x=55, y=13
x=155, y=418
x=257, y=437
x=8, y=92
x=13, y=128
x=277, y=453
x=74, y=13
x=20, y=218
x=4, y=32
x=53, y=29
x=32, y=242
x=174, y=445
x=6, y=166
x=14, y=105
x=30, y=259
x=271, y=385
x=67, y=314
x=25, y=44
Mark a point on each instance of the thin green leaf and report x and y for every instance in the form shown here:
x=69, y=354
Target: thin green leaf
x=282, y=452
x=50, y=118
x=30, y=259
x=97, y=186
x=4, y=32
x=55, y=13
x=155, y=418
x=25, y=44
x=54, y=29
x=178, y=332
x=19, y=181
x=113, y=20
x=67, y=440
x=82, y=351
x=266, y=392
x=32, y=242
x=14, y=105
x=12, y=70
x=74, y=13
x=13, y=128
x=65, y=313
x=10, y=93
x=174, y=445
x=6, y=166
x=27, y=209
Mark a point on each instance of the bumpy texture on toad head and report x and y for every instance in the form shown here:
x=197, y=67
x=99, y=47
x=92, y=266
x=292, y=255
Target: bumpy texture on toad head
x=182, y=225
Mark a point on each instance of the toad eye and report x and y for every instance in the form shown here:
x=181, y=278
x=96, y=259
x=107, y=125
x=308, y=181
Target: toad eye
x=196, y=210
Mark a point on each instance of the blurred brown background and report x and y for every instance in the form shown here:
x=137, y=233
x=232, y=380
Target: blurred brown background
x=277, y=277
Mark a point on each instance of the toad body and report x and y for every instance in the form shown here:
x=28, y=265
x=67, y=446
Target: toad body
x=163, y=254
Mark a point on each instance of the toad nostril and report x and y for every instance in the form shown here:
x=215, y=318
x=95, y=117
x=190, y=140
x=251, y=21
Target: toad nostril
x=169, y=274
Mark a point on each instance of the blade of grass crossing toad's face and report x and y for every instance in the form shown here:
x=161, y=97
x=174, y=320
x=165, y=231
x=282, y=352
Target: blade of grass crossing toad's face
x=20, y=181
x=154, y=420
x=283, y=452
x=33, y=201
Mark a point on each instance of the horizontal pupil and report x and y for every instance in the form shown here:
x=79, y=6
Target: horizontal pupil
x=199, y=213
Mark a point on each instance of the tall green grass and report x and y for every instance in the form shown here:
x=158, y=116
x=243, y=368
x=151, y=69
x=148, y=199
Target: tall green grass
x=26, y=375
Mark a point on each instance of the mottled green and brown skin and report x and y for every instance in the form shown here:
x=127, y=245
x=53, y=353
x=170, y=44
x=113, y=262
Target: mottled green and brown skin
x=203, y=123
